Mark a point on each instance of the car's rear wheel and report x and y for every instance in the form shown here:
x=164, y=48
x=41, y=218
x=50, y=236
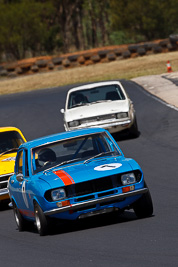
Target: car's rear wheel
x=134, y=132
x=41, y=220
x=19, y=219
x=143, y=207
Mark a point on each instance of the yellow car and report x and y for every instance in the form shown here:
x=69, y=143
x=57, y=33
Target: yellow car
x=10, y=139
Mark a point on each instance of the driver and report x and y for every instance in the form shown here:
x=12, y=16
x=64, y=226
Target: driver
x=46, y=156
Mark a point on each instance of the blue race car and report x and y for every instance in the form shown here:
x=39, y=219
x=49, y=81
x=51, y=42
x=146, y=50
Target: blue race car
x=74, y=175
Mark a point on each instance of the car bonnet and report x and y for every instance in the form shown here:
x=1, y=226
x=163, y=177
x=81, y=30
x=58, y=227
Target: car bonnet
x=97, y=109
x=7, y=163
x=81, y=172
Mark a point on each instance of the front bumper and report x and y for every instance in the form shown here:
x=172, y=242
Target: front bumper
x=4, y=193
x=97, y=201
x=111, y=126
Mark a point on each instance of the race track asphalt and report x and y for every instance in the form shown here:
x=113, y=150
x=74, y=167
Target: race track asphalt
x=110, y=240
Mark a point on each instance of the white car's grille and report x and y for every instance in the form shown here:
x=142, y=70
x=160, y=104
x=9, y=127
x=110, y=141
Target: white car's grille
x=98, y=118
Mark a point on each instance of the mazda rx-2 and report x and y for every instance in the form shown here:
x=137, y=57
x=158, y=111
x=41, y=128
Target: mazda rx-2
x=74, y=175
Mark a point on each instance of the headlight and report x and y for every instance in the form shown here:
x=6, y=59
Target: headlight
x=122, y=115
x=73, y=123
x=58, y=194
x=128, y=178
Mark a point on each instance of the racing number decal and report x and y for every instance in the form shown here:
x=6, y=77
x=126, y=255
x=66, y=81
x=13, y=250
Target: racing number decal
x=108, y=167
x=24, y=195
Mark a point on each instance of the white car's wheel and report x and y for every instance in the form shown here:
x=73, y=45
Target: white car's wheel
x=134, y=129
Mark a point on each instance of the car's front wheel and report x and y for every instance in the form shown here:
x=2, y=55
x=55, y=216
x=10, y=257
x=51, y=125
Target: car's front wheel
x=41, y=220
x=19, y=219
x=143, y=207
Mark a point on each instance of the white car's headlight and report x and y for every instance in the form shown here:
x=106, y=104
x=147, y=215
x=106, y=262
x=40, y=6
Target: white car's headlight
x=122, y=115
x=128, y=178
x=58, y=194
x=73, y=123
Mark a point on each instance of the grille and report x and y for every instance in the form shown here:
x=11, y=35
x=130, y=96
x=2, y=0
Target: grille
x=3, y=181
x=98, y=118
x=92, y=186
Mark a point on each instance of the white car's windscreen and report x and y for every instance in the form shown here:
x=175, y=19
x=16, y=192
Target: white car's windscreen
x=102, y=93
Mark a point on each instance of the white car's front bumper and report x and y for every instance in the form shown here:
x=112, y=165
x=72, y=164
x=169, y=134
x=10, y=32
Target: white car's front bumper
x=112, y=126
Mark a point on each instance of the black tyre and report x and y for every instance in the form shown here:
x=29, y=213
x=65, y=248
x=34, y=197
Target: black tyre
x=134, y=132
x=22, y=224
x=143, y=207
x=173, y=38
x=41, y=220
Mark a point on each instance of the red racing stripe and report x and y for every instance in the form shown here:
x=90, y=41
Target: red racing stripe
x=65, y=177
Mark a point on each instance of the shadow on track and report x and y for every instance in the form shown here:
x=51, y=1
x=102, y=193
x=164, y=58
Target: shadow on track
x=124, y=135
x=4, y=205
x=58, y=227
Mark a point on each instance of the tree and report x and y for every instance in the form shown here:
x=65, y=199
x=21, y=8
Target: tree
x=22, y=27
x=149, y=18
x=96, y=22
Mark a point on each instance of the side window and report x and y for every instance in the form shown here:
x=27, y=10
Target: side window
x=19, y=162
x=26, y=164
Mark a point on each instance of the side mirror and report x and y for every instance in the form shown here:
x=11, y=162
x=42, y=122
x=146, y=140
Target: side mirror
x=19, y=177
x=62, y=110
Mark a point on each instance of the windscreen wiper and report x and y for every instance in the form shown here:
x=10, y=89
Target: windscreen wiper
x=99, y=155
x=60, y=164
x=79, y=105
x=100, y=101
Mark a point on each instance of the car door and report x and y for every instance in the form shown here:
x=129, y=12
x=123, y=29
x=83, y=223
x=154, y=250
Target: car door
x=23, y=182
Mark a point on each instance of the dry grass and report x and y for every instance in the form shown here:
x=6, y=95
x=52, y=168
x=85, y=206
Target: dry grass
x=120, y=69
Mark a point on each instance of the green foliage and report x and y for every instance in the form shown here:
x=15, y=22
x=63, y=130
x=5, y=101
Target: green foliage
x=149, y=18
x=45, y=26
x=121, y=37
x=22, y=27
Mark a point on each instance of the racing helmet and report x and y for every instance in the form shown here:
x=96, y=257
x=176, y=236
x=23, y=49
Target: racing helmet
x=46, y=155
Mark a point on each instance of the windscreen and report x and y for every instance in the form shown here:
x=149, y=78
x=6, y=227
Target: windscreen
x=71, y=150
x=102, y=93
x=10, y=140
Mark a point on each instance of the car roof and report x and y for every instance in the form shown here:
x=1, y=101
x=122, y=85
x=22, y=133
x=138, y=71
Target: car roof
x=92, y=85
x=12, y=129
x=9, y=129
x=60, y=136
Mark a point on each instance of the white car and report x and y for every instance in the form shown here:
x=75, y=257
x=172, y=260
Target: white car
x=102, y=104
